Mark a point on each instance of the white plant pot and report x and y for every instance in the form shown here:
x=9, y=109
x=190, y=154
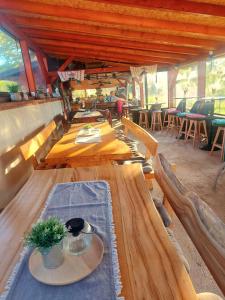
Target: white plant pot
x=15, y=97
x=53, y=257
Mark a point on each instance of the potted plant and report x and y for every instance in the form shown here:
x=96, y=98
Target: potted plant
x=13, y=89
x=40, y=93
x=47, y=237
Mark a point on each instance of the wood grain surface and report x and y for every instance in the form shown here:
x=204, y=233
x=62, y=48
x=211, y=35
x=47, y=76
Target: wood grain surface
x=81, y=155
x=205, y=229
x=150, y=267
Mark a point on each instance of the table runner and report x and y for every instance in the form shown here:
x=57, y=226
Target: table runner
x=84, y=137
x=90, y=200
x=87, y=114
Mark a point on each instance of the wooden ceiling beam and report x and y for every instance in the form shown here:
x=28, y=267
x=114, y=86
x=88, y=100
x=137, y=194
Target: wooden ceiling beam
x=134, y=59
x=175, y=56
x=109, y=18
x=67, y=36
x=136, y=36
x=173, y=5
x=10, y=27
x=109, y=54
x=99, y=70
x=63, y=67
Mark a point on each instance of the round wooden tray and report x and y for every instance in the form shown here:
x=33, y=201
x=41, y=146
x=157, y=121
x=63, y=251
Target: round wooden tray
x=74, y=268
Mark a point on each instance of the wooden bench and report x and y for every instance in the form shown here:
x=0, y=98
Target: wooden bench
x=150, y=143
x=205, y=229
x=38, y=146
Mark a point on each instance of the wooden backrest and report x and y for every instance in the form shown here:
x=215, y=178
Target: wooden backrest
x=31, y=147
x=205, y=229
x=142, y=135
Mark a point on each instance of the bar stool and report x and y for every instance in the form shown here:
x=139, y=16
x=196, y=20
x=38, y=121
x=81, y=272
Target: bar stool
x=174, y=110
x=183, y=127
x=173, y=121
x=156, y=120
x=197, y=122
x=220, y=123
x=143, y=118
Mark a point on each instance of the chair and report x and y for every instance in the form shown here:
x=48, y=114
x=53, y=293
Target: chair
x=41, y=142
x=197, y=122
x=183, y=119
x=143, y=118
x=220, y=123
x=173, y=112
x=156, y=116
x=106, y=113
x=156, y=120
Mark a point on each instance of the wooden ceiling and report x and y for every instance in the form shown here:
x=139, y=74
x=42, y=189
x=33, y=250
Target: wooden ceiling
x=126, y=32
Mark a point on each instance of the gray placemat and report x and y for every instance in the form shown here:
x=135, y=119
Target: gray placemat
x=92, y=201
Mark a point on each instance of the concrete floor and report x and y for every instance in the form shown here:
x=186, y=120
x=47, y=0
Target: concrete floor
x=196, y=169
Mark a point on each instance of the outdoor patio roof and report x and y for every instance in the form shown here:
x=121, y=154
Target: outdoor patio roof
x=126, y=32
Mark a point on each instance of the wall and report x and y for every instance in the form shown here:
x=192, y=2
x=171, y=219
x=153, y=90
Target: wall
x=17, y=125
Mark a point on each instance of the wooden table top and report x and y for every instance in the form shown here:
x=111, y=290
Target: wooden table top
x=149, y=265
x=110, y=148
x=84, y=114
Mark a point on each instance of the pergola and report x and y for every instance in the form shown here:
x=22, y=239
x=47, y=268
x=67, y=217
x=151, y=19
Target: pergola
x=118, y=33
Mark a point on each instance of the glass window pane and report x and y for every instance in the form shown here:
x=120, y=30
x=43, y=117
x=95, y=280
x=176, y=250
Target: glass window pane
x=158, y=88
x=38, y=77
x=11, y=63
x=215, y=83
x=187, y=85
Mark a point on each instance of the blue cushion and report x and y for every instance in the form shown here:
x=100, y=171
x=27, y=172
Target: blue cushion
x=181, y=114
x=219, y=122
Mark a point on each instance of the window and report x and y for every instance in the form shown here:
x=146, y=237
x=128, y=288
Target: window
x=187, y=85
x=158, y=88
x=215, y=83
x=38, y=77
x=11, y=63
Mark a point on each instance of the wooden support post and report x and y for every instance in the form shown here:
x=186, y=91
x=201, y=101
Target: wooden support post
x=146, y=90
x=28, y=66
x=172, y=76
x=201, y=78
x=133, y=88
x=142, y=93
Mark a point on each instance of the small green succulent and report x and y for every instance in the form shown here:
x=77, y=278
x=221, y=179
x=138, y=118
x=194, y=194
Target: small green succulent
x=13, y=88
x=46, y=234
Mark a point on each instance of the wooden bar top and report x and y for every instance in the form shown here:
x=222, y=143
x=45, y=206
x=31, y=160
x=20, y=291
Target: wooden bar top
x=150, y=267
x=18, y=104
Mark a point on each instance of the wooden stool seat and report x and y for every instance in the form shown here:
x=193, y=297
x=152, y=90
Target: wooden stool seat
x=220, y=130
x=143, y=118
x=156, y=120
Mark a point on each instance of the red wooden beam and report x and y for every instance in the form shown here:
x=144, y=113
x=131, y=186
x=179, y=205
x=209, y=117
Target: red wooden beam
x=67, y=36
x=136, y=36
x=99, y=70
x=28, y=66
x=174, y=5
x=16, y=32
x=63, y=67
x=107, y=55
x=109, y=18
x=175, y=56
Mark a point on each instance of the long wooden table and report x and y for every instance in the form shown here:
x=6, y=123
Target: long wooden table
x=84, y=117
x=150, y=267
x=76, y=155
